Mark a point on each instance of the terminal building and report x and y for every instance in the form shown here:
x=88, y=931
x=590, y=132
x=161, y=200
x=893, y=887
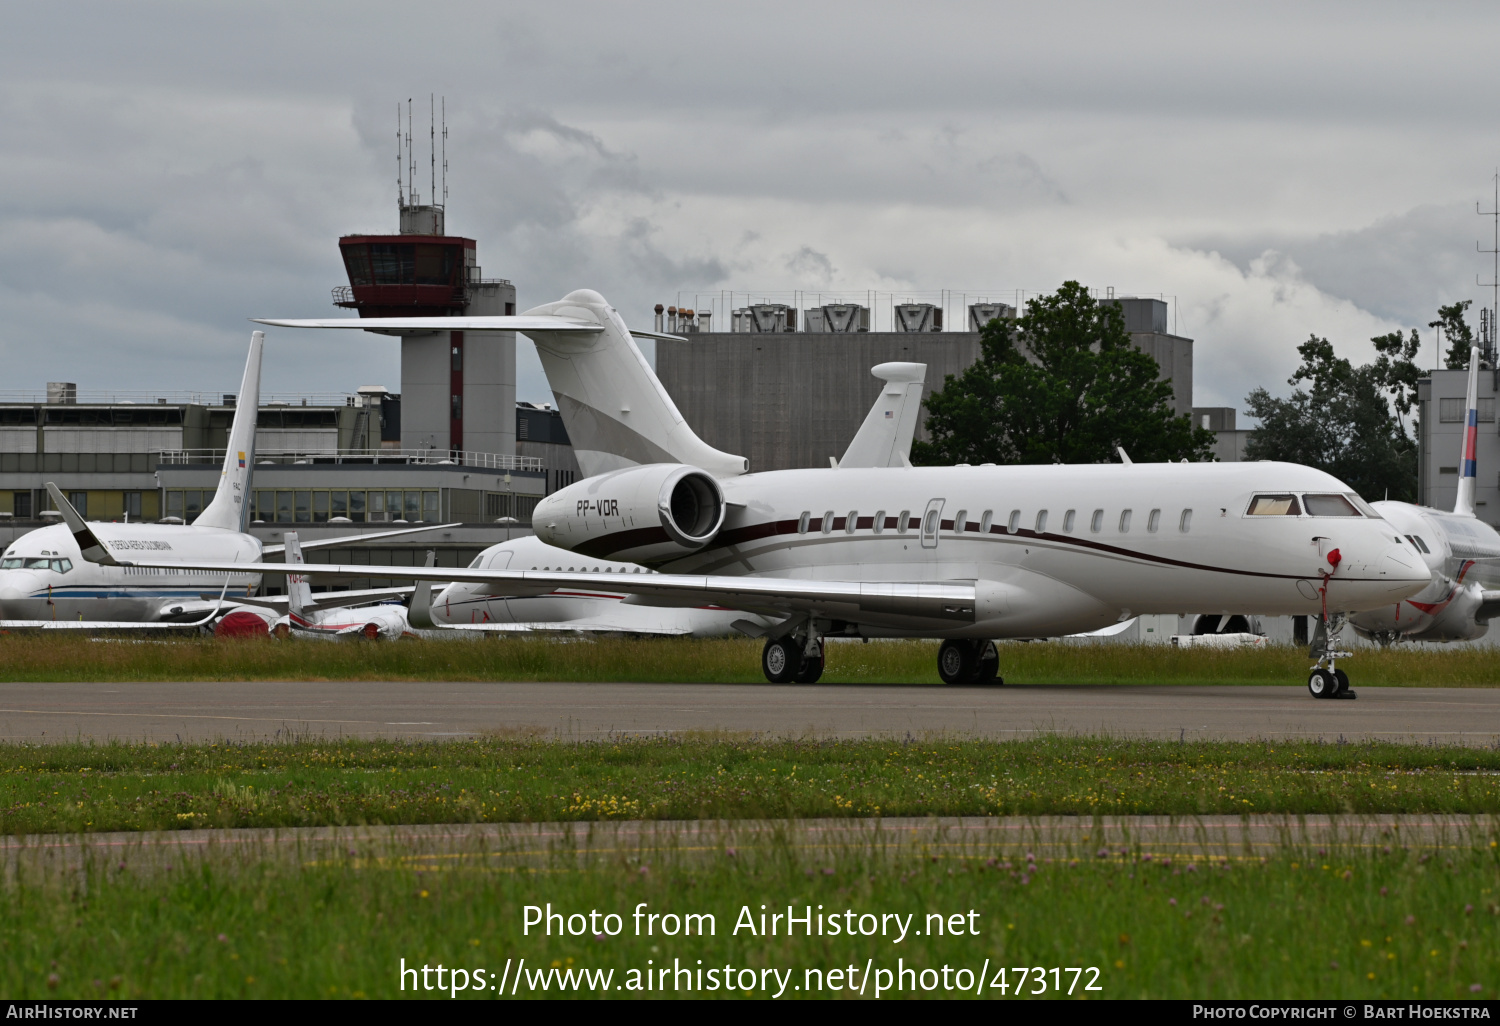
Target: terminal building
x=801, y=377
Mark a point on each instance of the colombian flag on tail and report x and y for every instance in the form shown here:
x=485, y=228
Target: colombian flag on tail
x=242, y=461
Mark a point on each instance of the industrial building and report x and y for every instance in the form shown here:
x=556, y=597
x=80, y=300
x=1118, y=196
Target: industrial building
x=802, y=382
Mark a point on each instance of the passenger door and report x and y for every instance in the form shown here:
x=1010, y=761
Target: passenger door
x=932, y=523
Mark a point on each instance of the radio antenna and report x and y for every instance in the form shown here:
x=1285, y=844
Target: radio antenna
x=400, y=186
x=1487, y=322
x=432, y=145
x=445, y=151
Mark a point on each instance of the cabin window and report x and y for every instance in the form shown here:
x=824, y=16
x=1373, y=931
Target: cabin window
x=1068, y=518
x=1014, y=524
x=828, y=522
x=1125, y=521
x=1153, y=521
x=932, y=522
x=1274, y=506
x=879, y=524
x=1096, y=523
x=853, y=519
x=802, y=521
x=1185, y=522
x=1329, y=506
x=986, y=520
x=1041, y=521
x=959, y=520
x=903, y=521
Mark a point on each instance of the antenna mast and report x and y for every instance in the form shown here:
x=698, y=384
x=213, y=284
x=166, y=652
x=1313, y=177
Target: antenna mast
x=400, y=186
x=445, y=151
x=432, y=145
x=1487, y=325
x=411, y=159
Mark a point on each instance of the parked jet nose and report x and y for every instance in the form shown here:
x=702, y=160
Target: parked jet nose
x=1406, y=573
x=16, y=589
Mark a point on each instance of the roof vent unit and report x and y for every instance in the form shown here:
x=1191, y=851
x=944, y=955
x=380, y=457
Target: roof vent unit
x=763, y=319
x=62, y=393
x=981, y=314
x=1143, y=316
x=923, y=317
x=838, y=319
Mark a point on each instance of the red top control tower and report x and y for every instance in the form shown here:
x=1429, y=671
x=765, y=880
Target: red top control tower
x=457, y=387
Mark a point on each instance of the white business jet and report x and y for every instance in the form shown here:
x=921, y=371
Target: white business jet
x=1461, y=553
x=98, y=576
x=307, y=617
x=883, y=440
x=965, y=554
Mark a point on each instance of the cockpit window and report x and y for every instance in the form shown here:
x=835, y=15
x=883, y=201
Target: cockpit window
x=1363, y=506
x=10, y=563
x=61, y=566
x=38, y=563
x=477, y=561
x=1275, y=506
x=1330, y=506
x=1419, y=543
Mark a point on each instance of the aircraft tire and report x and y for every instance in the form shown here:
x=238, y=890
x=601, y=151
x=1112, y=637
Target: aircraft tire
x=810, y=671
x=780, y=660
x=1321, y=684
x=958, y=661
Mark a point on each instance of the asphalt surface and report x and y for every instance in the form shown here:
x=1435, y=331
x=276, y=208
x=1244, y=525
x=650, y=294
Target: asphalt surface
x=278, y=710
x=443, y=846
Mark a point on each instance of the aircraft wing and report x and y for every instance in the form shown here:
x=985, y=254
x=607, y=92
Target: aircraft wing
x=526, y=325
x=115, y=625
x=560, y=627
x=355, y=539
x=875, y=603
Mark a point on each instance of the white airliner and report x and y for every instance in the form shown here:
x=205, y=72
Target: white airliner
x=104, y=575
x=883, y=440
x=1461, y=553
x=965, y=554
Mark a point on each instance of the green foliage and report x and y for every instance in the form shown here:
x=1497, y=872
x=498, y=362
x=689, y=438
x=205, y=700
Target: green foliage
x=1344, y=423
x=335, y=782
x=1460, y=336
x=1061, y=384
x=53, y=656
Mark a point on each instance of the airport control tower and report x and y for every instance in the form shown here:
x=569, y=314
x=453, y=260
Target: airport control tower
x=458, y=388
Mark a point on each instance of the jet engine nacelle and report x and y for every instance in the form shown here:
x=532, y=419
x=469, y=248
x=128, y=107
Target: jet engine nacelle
x=1457, y=621
x=647, y=514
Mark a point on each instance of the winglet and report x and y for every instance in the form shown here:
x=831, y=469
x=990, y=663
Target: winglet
x=1463, y=505
x=89, y=546
x=419, y=614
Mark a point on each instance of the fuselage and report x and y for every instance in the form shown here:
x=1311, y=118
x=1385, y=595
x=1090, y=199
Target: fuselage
x=601, y=608
x=1067, y=548
x=1462, y=555
x=44, y=577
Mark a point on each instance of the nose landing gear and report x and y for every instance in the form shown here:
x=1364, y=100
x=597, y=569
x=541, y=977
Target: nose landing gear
x=969, y=662
x=1326, y=680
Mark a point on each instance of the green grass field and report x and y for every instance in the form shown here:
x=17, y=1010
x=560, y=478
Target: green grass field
x=54, y=658
x=1326, y=924
x=86, y=787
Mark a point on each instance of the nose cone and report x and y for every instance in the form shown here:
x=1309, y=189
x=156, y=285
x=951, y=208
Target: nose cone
x=16, y=589
x=1405, y=573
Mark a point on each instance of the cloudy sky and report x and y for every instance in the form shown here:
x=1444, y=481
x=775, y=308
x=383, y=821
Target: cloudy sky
x=168, y=170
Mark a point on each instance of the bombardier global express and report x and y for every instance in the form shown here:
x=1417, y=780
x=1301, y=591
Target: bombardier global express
x=964, y=554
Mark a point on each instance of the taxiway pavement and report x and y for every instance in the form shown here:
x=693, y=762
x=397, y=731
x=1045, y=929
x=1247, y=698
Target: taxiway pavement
x=202, y=711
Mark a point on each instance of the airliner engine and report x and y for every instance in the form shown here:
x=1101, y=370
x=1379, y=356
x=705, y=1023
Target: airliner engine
x=646, y=514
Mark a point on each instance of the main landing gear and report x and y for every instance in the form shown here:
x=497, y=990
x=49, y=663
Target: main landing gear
x=969, y=662
x=1326, y=680
x=793, y=660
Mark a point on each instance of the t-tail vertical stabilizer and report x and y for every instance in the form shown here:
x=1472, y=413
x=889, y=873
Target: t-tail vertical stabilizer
x=884, y=439
x=616, y=411
x=230, y=507
x=298, y=591
x=1467, y=470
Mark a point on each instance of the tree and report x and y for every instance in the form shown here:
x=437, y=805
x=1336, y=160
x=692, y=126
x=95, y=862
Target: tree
x=1345, y=424
x=1060, y=384
x=1456, y=330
